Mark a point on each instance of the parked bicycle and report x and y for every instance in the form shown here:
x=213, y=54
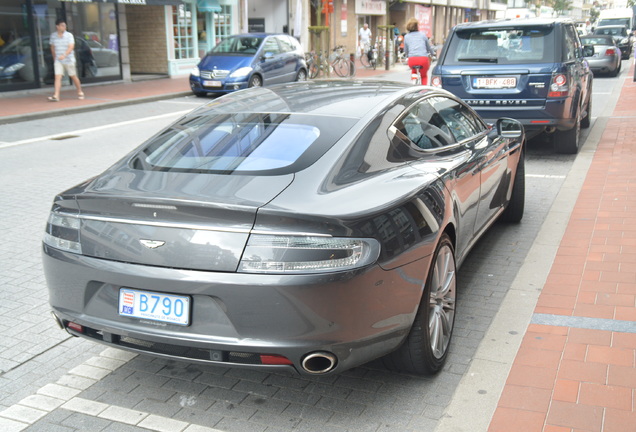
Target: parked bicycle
x=319, y=65
x=342, y=65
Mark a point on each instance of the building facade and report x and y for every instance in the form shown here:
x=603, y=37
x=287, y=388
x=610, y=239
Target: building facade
x=118, y=40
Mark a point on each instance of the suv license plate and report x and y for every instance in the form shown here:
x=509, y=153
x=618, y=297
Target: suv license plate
x=154, y=306
x=495, y=83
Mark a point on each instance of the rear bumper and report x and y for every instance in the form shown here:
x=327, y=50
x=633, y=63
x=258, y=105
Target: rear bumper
x=556, y=113
x=357, y=316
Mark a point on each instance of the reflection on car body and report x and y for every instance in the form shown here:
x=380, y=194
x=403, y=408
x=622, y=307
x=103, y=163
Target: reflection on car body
x=307, y=226
x=249, y=60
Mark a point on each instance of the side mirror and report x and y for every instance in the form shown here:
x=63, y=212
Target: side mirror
x=267, y=55
x=588, y=50
x=509, y=128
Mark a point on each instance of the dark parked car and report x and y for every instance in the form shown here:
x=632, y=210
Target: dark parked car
x=606, y=57
x=249, y=60
x=621, y=35
x=311, y=226
x=533, y=70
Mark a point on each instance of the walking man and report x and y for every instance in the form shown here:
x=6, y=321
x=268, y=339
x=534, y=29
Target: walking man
x=63, y=50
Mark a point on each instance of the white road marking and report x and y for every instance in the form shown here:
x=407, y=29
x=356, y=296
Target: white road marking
x=93, y=129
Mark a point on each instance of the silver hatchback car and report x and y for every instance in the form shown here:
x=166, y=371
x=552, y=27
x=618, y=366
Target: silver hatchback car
x=310, y=227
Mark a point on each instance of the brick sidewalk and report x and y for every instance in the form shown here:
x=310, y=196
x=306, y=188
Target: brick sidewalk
x=575, y=369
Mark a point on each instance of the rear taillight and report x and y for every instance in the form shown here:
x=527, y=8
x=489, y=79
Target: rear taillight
x=63, y=232
x=610, y=52
x=436, y=81
x=306, y=254
x=559, y=86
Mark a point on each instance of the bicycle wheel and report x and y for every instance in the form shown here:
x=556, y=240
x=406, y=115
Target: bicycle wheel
x=364, y=59
x=352, y=68
x=314, y=70
x=340, y=67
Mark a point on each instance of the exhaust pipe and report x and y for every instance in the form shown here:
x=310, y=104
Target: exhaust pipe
x=550, y=129
x=57, y=321
x=319, y=362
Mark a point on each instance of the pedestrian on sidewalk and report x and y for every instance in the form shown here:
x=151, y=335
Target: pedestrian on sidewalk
x=63, y=50
x=365, y=39
x=418, y=50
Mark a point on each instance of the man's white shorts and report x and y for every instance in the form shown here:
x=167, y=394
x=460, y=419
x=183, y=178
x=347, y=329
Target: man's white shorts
x=69, y=68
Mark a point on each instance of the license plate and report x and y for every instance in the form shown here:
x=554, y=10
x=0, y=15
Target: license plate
x=154, y=306
x=212, y=83
x=495, y=83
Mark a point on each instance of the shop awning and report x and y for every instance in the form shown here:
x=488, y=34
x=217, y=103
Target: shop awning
x=208, y=6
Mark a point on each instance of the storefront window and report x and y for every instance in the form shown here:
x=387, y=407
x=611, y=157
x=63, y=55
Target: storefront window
x=94, y=26
x=182, y=28
x=22, y=59
x=223, y=23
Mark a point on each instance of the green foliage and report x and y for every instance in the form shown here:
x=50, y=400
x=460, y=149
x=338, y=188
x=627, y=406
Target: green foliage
x=560, y=6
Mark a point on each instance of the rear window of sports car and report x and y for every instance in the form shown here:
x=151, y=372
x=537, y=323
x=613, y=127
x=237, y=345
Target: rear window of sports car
x=242, y=143
x=515, y=45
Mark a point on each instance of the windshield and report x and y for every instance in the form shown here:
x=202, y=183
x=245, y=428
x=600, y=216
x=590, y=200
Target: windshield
x=611, y=31
x=614, y=21
x=238, y=45
x=502, y=46
x=243, y=143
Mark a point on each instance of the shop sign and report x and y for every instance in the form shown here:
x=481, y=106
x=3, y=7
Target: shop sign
x=423, y=17
x=371, y=7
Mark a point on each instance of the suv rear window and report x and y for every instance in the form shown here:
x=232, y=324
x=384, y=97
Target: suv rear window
x=502, y=46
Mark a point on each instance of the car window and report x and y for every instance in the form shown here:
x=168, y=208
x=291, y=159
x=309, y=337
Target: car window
x=459, y=119
x=271, y=46
x=285, y=44
x=241, y=143
x=238, y=45
x=570, y=49
x=524, y=44
x=424, y=127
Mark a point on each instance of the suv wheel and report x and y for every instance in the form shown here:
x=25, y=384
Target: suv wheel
x=585, y=123
x=567, y=142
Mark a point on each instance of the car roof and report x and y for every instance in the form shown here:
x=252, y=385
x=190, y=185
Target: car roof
x=257, y=35
x=340, y=98
x=505, y=23
x=610, y=26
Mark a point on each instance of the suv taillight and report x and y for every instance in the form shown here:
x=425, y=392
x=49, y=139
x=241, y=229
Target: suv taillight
x=559, y=86
x=436, y=81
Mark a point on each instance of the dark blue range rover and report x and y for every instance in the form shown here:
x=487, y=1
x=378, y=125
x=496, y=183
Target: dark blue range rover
x=533, y=70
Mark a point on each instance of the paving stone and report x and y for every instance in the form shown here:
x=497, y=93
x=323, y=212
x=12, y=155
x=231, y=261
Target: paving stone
x=162, y=424
x=23, y=414
x=8, y=425
x=58, y=391
x=123, y=415
x=41, y=402
x=85, y=406
x=87, y=371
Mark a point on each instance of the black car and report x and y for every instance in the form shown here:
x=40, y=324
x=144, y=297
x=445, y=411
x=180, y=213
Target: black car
x=533, y=70
x=621, y=35
x=307, y=226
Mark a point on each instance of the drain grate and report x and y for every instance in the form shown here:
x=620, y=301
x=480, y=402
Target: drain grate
x=64, y=137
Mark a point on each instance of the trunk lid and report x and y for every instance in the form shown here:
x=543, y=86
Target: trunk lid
x=176, y=220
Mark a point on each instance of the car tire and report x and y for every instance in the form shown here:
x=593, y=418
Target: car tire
x=567, y=142
x=514, y=210
x=301, y=75
x=587, y=120
x=255, y=81
x=426, y=346
x=200, y=94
